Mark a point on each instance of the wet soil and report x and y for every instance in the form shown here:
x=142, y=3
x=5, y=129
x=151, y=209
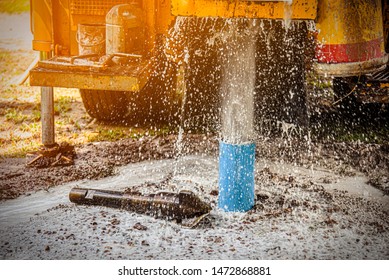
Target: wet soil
x=300, y=213
x=93, y=161
x=101, y=159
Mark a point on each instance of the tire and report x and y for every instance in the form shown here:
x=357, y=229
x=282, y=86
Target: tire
x=105, y=105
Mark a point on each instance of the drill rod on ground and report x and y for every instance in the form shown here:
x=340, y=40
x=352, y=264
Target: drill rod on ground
x=170, y=205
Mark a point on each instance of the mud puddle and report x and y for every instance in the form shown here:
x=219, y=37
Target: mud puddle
x=300, y=213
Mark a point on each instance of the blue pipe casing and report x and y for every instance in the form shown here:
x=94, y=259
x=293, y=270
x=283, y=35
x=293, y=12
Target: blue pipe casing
x=236, y=177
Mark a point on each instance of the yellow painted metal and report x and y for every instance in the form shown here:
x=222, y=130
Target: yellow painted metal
x=42, y=25
x=299, y=9
x=350, y=38
x=164, y=16
x=117, y=79
x=150, y=17
x=348, y=22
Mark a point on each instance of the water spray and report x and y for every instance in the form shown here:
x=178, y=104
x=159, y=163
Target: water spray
x=237, y=149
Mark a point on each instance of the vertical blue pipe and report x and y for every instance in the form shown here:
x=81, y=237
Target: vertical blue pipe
x=236, y=177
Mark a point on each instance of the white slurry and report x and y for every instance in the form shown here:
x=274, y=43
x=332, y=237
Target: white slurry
x=299, y=214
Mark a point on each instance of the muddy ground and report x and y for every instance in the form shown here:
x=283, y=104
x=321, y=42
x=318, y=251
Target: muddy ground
x=314, y=199
x=100, y=159
x=92, y=161
x=313, y=206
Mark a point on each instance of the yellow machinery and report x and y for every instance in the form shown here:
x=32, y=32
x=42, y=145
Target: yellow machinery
x=351, y=38
x=114, y=49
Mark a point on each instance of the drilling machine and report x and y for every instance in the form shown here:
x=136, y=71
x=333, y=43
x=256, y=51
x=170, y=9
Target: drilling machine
x=125, y=54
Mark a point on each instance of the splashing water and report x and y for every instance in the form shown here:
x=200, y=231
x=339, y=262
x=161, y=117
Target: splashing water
x=238, y=83
x=240, y=71
x=176, y=52
x=288, y=12
x=181, y=90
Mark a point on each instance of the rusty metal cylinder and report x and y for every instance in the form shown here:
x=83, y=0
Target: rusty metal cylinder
x=91, y=39
x=124, y=30
x=42, y=25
